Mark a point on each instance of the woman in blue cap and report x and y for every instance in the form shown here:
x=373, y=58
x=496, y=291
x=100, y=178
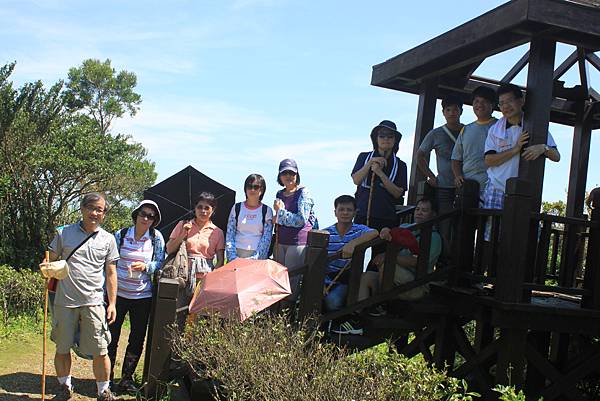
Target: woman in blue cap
x=295, y=217
x=380, y=177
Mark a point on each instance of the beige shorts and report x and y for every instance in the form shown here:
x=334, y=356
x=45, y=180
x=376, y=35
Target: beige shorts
x=94, y=335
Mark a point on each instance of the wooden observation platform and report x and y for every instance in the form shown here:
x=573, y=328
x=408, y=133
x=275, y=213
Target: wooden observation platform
x=491, y=316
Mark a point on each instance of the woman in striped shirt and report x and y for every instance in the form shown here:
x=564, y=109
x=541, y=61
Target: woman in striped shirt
x=141, y=251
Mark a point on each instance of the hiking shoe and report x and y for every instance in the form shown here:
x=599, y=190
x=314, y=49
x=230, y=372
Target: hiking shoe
x=127, y=386
x=346, y=327
x=377, y=311
x=64, y=393
x=107, y=395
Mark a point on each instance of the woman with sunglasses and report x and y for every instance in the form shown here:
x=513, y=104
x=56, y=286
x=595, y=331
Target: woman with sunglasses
x=295, y=217
x=141, y=252
x=250, y=224
x=204, y=241
x=380, y=177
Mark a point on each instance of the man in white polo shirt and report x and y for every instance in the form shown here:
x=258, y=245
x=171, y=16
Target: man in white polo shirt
x=506, y=143
x=91, y=255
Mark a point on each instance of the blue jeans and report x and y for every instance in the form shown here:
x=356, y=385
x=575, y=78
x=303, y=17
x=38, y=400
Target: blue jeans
x=336, y=298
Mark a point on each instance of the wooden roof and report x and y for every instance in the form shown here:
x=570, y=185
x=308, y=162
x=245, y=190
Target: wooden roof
x=452, y=57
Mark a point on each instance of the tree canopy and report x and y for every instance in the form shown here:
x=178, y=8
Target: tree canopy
x=52, y=153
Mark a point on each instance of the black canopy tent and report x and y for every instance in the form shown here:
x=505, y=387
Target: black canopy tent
x=175, y=197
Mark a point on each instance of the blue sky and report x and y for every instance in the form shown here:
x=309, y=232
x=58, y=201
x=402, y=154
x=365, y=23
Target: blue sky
x=233, y=87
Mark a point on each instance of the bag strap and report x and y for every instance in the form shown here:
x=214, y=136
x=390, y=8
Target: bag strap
x=81, y=244
x=238, y=207
x=264, y=214
x=450, y=135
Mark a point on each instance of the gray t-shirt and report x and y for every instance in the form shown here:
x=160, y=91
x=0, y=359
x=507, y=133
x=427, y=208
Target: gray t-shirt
x=469, y=149
x=84, y=286
x=439, y=140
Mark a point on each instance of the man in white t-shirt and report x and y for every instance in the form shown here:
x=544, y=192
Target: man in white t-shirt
x=506, y=143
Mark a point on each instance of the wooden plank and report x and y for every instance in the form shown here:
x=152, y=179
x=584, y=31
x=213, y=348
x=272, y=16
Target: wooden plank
x=516, y=69
x=535, y=380
x=537, y=115
x=569, y=16
x=510, y=368
x=425, y=118
x=482, y=377
x=594, y=60
x=584, y=74
x=467, y=198
x=570, y=378
x=391, y=252
x=424, y=251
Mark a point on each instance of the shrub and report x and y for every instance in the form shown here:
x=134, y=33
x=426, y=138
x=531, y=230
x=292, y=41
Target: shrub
x=21, y=293
x=267, y=358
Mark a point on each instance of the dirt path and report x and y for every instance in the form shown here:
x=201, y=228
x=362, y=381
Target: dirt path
x=21, y=371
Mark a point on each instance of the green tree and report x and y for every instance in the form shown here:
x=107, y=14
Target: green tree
x=50, y=156
x=97, y=88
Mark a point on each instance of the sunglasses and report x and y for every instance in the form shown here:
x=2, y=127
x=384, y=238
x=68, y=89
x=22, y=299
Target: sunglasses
x=288, y=172
x=384, y=135
x=255, y=187
x=145, y=215
x=98, y=210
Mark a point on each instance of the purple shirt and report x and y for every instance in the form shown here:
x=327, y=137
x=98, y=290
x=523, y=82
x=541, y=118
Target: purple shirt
x=297, y=219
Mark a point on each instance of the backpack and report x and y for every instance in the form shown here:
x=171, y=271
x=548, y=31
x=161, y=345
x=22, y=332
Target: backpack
x=238, y=207
x=123, y=233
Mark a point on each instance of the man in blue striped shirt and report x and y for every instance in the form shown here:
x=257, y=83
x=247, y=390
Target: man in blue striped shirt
x=344, y=235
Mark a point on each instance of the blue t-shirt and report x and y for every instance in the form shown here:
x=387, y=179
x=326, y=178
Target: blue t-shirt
x=336, y=242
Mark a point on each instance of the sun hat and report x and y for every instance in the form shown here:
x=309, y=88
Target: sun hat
x=152, y=204
x=387, y=124
x=288, y=165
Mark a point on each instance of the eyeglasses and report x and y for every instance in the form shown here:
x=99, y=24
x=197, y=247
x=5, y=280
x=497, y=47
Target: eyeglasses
x=255, y=187
x=203, y=207
x=506, y=102
x=145, y=215
x=98, y=210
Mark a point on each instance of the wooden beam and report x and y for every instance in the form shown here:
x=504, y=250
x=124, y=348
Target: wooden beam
x=583, y=71
x=565, y=65
x=516, y=69
x=537, y=117
x=594, y=60
x=580, y=156
x=425, y=118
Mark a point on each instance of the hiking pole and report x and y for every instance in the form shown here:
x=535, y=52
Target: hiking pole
x=275, y=252
x=370, y=197
x=46, y=259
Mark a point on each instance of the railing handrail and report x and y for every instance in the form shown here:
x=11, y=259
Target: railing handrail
x=563, y=220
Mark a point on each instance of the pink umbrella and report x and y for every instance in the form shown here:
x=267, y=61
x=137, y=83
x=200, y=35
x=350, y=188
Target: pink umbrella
x=241, y=288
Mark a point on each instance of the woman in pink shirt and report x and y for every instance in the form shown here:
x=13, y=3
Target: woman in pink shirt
x=205, y=242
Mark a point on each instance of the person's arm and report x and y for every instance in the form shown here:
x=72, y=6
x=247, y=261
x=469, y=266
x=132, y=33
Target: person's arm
x=496, y=159
x=289, y=219
x=348, y=249
x=423, y=166
x=459, y=179
x=534, y=151
x=181, y=231
x=395, y=190
x=159, y=253
x=230, y=236
x=359, y=175
x=111, y=290
x=262, y=249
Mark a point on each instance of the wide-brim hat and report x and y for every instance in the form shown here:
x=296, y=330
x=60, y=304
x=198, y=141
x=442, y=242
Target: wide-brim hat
x=58, y=269
x=387, y=124
x=147, y=202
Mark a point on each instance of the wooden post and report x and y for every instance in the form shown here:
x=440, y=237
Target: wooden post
x=537, y=118
x=580, y=156
x=314, y=279
x=592, y=268
x=468, y=198
x=513, y=245
x=425, y=118
x=158, y=345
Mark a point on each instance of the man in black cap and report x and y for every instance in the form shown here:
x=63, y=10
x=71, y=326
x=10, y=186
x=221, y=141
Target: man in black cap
x=380, y=177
